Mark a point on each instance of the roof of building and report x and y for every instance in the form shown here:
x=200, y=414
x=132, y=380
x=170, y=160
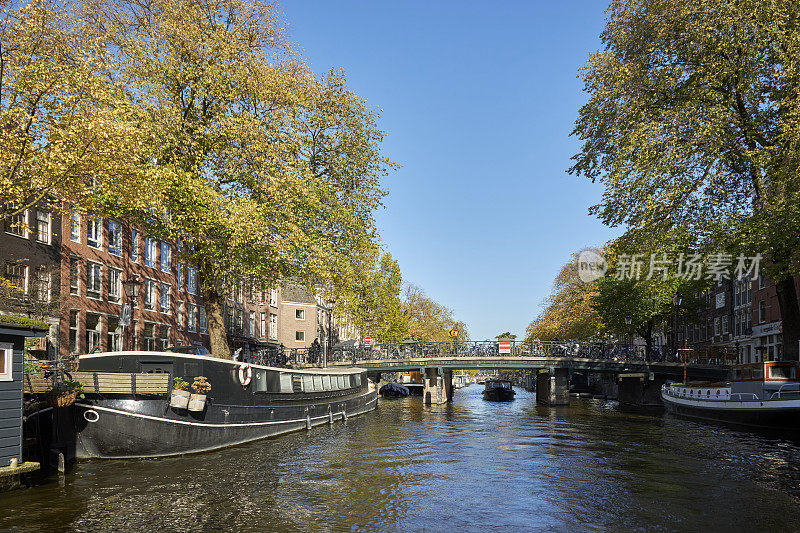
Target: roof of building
x=292, y=292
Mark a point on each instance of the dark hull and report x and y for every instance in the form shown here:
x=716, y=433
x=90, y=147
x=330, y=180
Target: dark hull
x=498, y=395
x=785, y=419
x=131, y=433
x=275, y=401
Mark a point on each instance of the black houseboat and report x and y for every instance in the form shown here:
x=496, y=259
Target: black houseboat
x=498, y=390
x=762, y=395
x=245, y=402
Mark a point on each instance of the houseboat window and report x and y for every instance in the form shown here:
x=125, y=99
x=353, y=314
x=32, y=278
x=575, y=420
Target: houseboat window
x=260, y=380
x=358, y=380
x=286, y=383
x=747, y=373
x=717, y=393
x=6, y=361
x=782, y=372
x=326, y=382
x=758, y=372
x=308, y=383
x=317, y=382
x=737, y=373
x=340, y=380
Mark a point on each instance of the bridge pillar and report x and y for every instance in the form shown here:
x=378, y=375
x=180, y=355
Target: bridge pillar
x=435, y=390
x=639, y=390
x=552, y=386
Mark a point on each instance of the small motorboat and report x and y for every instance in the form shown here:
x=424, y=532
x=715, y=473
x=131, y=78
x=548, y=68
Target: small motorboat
x=498, y=390
x=394, y=390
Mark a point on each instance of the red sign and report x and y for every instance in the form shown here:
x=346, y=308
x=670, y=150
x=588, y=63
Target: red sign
x=367, y=341
x=505, y=347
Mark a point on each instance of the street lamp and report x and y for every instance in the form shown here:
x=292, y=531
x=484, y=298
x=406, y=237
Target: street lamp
x=628, y=321
x=330, y=333
x=131, y=287
x=676, y=302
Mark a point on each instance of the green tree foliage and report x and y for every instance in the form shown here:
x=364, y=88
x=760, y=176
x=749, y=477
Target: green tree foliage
x=568, y=312
x=67, y=133
x=429, y=320
x=692, y=122
x=263, y=170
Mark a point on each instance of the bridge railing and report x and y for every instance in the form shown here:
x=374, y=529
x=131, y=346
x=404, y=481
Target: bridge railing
x=491, y=348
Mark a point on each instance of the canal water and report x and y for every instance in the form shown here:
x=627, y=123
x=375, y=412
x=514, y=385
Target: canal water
x=470, y=465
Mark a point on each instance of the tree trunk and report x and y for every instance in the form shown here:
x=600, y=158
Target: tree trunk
x=790, y=318
x=214, y=303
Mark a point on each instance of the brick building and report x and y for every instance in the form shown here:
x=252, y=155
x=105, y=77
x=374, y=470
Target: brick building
x=76, y=276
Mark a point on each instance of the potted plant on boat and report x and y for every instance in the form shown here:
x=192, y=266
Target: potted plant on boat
x=201, y=387
x=64, y=393
x=180, y=394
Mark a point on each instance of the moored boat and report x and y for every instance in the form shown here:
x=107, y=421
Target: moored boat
x=498, y=390
x=762, y=395
x=393, y=390
x=239, y=403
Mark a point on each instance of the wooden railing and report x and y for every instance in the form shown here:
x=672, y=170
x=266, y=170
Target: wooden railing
x=103, y=383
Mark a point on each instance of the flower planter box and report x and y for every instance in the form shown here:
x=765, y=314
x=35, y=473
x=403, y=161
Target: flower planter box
x=179, y=399
x=63, y=399
x=197, y=402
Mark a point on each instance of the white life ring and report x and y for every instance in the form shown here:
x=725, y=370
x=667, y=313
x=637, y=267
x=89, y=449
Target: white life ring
x=245, y=374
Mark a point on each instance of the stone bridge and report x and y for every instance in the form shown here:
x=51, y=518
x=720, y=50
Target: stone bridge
x=550, y=366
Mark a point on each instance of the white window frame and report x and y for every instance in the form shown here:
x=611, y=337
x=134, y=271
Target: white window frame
x=301, y=313
x=165, y=290
x=97, y=225
x=191, y=317
x=22, y=226
x=134, y=246
x=273, y=326
x=191, y=280
x=75, y=227
x=150, y=248
x=150, y=297
x=273, y=297
x=112, y=226
x=90, y=269
x=7, y=353
x=114, y=289
x=302, y=335
x=48, y=232
x=166, y=259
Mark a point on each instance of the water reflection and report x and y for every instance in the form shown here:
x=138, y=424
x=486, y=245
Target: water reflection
x=470, y=464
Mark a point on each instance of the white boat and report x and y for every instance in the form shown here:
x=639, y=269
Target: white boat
x=759, y=395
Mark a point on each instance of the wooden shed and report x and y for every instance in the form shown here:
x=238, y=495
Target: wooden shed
x=13, y=332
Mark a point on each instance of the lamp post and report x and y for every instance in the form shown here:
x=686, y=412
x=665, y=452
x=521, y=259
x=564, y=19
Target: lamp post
x=330, y=333
x=676, y=301
x=628, y=321
x=131, y=286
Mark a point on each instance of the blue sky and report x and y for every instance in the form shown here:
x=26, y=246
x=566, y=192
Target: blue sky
x=478, y=100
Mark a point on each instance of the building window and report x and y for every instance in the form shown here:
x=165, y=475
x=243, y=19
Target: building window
x=252, y=323
x=192, y=317
x=179, y=276
x=75, y=227
x=202, y=319
x=725, y=325
x=43, y=285
x=6, y=361
x=150, y=246
x=17, y=276
x=94, y=234
x=149, y=294
x=166, y=257
x=300, y=336
x=17, y=224
x=191, y=279
x=94, y=280
x=239, y=319
x=92, y=333
x=761, y=281
x=73, y=331
x=43, y=226
x=163, y=336
x=180, y=313
x=762, y=311
x=149, y=336
x=716, y=326
x=74, y=276
x=262, y=330
x=114, y=285
x=114, y=334
x=114, y=238
x=273, y=297
x=134, y=246
x=273, y=326
x=165, y=298
x=300, y=314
